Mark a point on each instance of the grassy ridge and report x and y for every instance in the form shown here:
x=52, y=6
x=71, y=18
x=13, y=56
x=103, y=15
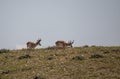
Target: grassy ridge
x=70, y=63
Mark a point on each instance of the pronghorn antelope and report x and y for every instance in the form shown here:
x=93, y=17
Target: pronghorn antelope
x=64, y=44
x=32, y=44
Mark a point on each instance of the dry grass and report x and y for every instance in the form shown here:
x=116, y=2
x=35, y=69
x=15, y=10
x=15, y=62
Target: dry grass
x=70, y=63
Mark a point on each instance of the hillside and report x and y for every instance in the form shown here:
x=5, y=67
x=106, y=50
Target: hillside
x=71, y=63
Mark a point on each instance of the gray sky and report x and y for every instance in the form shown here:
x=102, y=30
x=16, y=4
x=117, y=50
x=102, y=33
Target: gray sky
x=91, y=22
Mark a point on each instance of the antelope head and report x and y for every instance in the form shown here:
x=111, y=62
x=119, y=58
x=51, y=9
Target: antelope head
x=70, y=43
x=38, y=42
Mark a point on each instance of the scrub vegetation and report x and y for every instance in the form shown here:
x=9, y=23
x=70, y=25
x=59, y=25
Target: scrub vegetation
x=87, y=62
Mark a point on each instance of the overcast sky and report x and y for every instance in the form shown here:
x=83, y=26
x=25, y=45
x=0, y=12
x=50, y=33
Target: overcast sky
x=87, y=22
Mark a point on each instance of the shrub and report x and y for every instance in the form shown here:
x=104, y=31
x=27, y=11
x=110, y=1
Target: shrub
x=85, y=46
x=96, y=56
x=24, y=56
x=116, y=50
x=38, y=77
x=80, y=57
x=50, y=57
x=4, y=50
x=51, y=47
x=93, y=46
x=105, y=52
x=4, y=72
